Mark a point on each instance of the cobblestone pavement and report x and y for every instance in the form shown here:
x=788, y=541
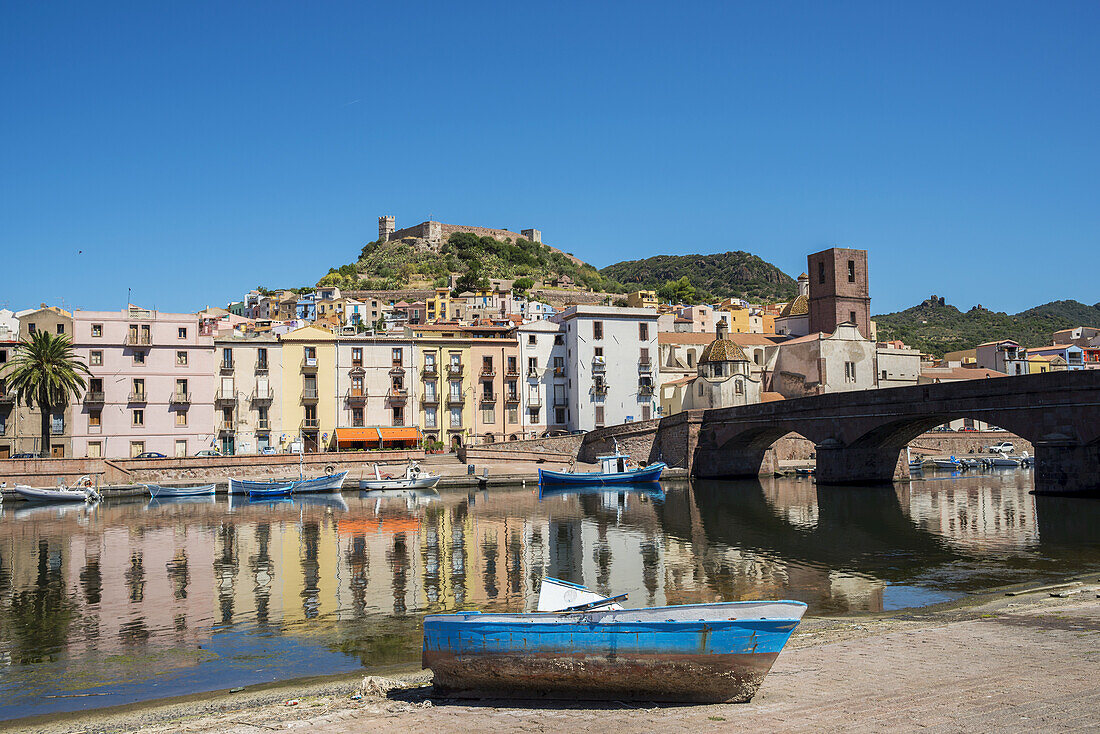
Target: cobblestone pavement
x=1015, y=664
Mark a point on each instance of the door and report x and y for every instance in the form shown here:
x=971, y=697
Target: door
x=5, y=452
x=57, y=451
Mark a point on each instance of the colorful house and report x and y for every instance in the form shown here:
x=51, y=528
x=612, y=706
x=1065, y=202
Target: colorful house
x=308, y=393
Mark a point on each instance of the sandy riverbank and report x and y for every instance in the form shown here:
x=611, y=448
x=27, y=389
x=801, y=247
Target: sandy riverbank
x=995, y=663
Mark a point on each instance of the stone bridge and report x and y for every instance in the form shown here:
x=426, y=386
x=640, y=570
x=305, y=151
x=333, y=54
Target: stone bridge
x=860, y=437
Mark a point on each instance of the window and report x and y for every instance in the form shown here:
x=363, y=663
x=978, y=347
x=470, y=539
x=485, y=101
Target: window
x=533, y=414
x=559, y=366
x=31, y=328
x=95, y=419
x=643, y=355
x=3, y=356
x=849, y=371
x=513, y=415
x=95, y=358
x=646, y=412
x=558, y=340
x=531, y=339
x=227, y=358
x=398, y=357
x=136, y=447
x=181, y=387
x=691, y=358
x=821, y=272
x=532, y=366
x=181, y=332
x=181, y=359
x=261, y=358
x=700, y=388
x=61, y=328
x=357, y=417
x=599, y=415
x=851, y=271
x=597, y=330
x=456, y=417
x=138, y=418
x=181, y=418
x=430, y=417
x=512, y=365
x=138, y=388
x=97, y=330
x=598, y=351
x=643, y=332
x=139, y=357
x=356, y=356
x=181, y=449
x=559, y=416
x=488, y=414
x=456, y=389
x=852, y=316
x=95, y=450
x=739, y=387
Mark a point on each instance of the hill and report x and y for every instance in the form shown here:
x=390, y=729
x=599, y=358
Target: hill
x=936, y=327
x=714, y=276
x=409, y=261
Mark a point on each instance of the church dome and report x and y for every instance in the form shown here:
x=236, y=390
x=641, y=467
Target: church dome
x=722, y=350
x=798, y=307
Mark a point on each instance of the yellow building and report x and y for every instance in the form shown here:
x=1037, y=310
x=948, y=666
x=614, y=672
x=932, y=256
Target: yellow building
x=642, y=299
x=309, y=384
x=1037, y=363
x=441, y=307
x=738, y=318
x=442, y=354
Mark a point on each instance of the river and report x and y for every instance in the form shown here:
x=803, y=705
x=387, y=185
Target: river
x=135, y=599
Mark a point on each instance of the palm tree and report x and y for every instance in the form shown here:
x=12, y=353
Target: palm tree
x=44, y=373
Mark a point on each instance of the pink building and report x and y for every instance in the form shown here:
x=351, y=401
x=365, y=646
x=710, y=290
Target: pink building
x=152, y=386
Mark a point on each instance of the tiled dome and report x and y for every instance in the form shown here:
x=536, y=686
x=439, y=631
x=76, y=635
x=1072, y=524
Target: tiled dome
x=798, y=307
x=722, y=350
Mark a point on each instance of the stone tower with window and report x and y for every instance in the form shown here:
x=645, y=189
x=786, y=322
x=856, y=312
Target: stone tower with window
x=838, y=290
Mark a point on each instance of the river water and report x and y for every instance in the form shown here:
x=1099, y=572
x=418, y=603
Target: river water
x=136, y=599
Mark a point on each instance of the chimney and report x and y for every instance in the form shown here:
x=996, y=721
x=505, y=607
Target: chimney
x=723, y=329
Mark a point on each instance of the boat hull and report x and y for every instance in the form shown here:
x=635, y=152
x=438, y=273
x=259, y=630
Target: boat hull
x=283, y=490
x=328, y=483
x=33, y=494
x=155, y=490
x=650, y=473
x=688, y=653
x=381, y=484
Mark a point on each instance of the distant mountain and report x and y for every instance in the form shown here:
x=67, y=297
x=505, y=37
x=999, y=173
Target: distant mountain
x=936, y=327
x=719, y=275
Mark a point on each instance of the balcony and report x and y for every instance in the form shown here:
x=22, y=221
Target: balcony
x=432, y=399
x=309, y=395
x=429, y=371
x=137, y=397
x=397, y=367
x=138, y=340
x=488, y=373
x=263, y=424
x=456, y=400
x=356, y=395
x=226, y=397
x=512, y=371
x=600, y=388
x=309, y=364
x=397, y=394
x=261, y=367
x=646, y=389
x=512, y=397
x=488, y=397
x=311, y=424
x=179, y=398
x=532, y=373
x=227, y=426
x=226, y=366
x=454, y=370
x=644, y=365
x=598, y=364
x=559, y=373
x=91, y=397
x=263, y=396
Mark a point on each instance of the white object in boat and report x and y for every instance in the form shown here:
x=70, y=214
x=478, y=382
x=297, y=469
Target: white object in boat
x=555, y=595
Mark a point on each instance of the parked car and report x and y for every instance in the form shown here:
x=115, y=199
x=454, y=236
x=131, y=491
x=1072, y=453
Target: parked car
x=26, y=455
x=150, y=455
x=1004, y=447
x=269, y=451
x=208, y=452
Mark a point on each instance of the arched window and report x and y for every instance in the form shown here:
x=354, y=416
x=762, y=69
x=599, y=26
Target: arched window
x=739, y=387
x=700, y=388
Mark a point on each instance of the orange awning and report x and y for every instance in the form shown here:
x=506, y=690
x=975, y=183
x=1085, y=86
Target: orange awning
x=399, y=433
x=346, y=435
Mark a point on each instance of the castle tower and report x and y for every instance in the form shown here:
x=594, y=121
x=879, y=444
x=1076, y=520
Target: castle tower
x=838, y=290
x=386, y=228
x=534, y=235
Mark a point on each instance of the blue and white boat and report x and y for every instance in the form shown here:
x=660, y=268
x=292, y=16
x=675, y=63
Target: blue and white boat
x=326, y=483
x=158, y=491
x=595, y=649
x=275, y=490
x=614, y=469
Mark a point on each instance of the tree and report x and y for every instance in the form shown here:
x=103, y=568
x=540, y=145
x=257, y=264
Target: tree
x=677, y=291
x=522, y=285
x=43, y=374
x=471, y=280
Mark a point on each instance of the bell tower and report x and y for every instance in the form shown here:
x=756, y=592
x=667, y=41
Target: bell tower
x=838, y=290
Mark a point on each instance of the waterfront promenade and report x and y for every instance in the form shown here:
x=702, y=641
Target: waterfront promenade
x=1023, y=663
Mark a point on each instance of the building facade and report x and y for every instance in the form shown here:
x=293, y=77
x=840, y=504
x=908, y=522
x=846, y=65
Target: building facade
x=248, y=382
x=308, y=391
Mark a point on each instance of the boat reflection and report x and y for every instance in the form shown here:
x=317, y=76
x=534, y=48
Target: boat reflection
x=643, y=490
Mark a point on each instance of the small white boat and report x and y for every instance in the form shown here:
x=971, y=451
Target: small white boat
x=951, y=464
x=82, y=490
x=414, y=478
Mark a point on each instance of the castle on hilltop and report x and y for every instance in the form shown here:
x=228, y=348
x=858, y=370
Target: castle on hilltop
x=437, y=232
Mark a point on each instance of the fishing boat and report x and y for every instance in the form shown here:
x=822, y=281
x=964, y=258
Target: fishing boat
x=951, y=464
x=275, y=490
x=916, y=465
x=327, y=483
x=82, y=490
x=614, y=469
x=593, y=650
x=324, y=483
x=414, y=478
x=158, y=491
x=1004, y=461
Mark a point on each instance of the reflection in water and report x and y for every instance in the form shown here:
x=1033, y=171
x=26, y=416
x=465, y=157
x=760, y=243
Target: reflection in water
x=136, y=600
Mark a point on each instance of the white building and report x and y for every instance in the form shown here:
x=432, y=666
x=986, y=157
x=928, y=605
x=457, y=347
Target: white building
x=542, y=357
x=611, y=358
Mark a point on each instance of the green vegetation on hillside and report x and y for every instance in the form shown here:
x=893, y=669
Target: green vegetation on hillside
x=712, y=276
x=936, y=327
x=394, y=264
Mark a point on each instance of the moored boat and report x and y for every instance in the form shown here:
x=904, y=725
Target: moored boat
x=324, y=483
x=82, y=490
x=414, y=478
x=690, y=653
x=951, y=464
x=327, y=483
x=275, y=490
x=614, y=469
x=158, y=491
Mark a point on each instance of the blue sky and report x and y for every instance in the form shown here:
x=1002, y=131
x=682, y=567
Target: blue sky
x=191, y=151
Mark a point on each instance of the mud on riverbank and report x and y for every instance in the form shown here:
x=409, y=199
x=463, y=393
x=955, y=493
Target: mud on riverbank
x=991, y=662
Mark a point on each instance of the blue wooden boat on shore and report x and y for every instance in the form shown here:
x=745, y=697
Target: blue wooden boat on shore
x=278, y=490
x=597, y=650
x=614, y=469
x=158, y=491
x=326, y=483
